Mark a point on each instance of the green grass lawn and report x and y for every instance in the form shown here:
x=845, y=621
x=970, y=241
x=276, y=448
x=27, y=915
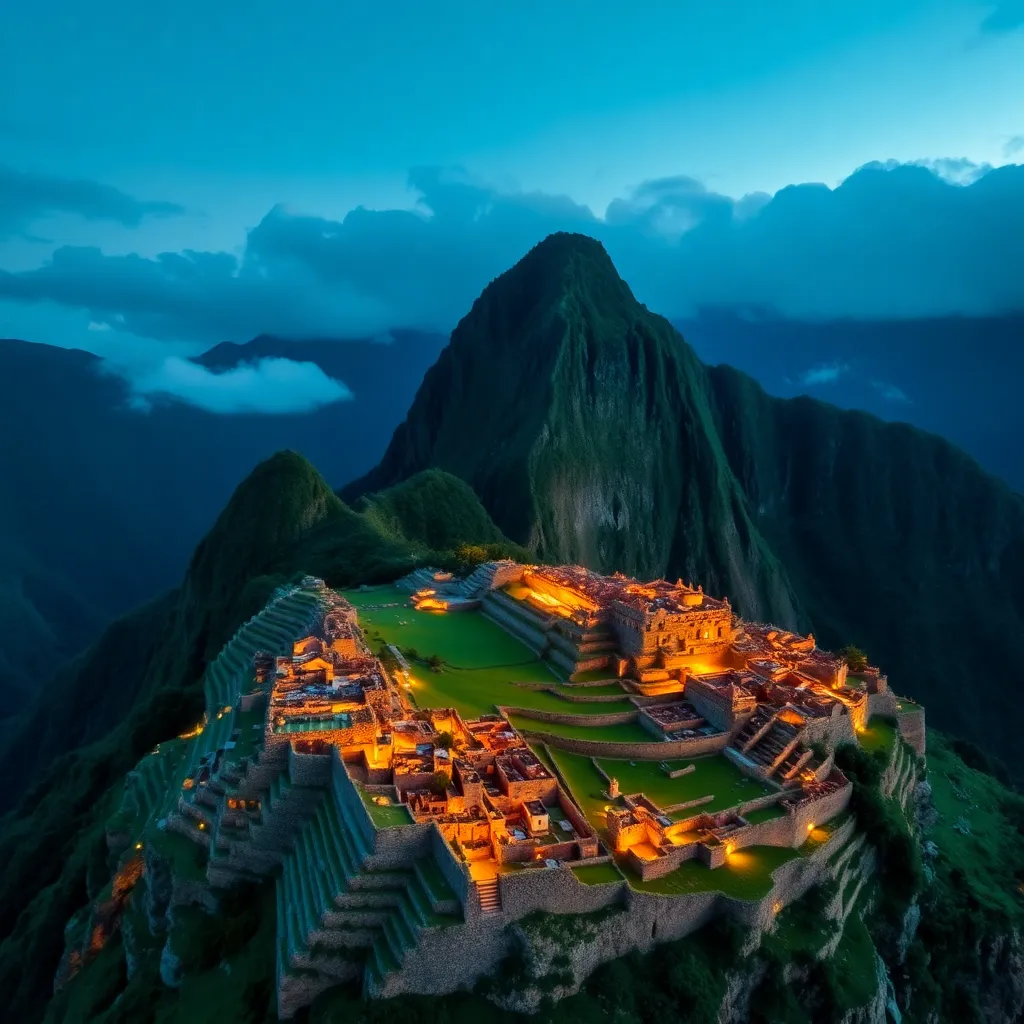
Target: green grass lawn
x=481, y=660
x=385, y=817
x=592, y=675
x=714, y=775
x=585, y=784
x=747, y=875
x=608, y=690
x=879, y=735
x=764, y=814
x=598, y=874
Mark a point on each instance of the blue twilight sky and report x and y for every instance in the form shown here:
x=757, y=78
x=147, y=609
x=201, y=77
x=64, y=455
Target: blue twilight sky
x=176, y=175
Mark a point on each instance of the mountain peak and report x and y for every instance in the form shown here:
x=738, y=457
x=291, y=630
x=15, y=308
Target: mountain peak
x=561, y=264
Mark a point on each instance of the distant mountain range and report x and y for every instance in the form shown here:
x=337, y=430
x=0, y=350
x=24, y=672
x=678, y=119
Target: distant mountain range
x=960, y=377
x=103, y=504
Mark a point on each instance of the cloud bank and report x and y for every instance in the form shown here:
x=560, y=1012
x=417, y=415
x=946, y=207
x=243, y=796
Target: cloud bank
x=26, y=197
x=267, y=387
x=827, y=374
x=890, y=241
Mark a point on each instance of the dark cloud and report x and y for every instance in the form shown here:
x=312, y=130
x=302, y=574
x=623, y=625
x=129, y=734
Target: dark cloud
x=890, y=241
x=1005, y=16
x=26, y=197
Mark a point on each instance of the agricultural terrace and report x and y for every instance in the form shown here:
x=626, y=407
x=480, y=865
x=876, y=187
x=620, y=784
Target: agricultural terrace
x=746, y=874
x=712, y=776
x=480, y=661
x=879, y=735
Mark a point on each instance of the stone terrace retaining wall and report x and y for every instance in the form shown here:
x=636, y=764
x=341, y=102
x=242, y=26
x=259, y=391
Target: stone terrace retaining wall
x=447, y=959
x=912, y=728
x=567, y=718
x=832, y=731
x=400, y=845
x=634, y=751
x=309, y=769
x=556, y=890
x=455, y=872
x=883, y=704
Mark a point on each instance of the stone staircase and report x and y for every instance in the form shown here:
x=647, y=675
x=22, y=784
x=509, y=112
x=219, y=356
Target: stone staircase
x=490, y=896
x=774, y=746
x=757, y=725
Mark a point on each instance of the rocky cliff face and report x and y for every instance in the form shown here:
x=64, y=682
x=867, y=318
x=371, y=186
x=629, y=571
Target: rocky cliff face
x=592, y=433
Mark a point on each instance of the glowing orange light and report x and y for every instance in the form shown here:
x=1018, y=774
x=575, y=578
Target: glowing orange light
x=202, y=825
x=810, y=827
x=138, y=846
x=728, y=849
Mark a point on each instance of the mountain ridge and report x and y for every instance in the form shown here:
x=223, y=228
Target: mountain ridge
x=628, y=453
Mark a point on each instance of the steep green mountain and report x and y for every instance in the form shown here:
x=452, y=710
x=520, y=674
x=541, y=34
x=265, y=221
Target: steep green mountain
x=592, y=433
x=949, y=931
x=66, y=757
x=102, y=504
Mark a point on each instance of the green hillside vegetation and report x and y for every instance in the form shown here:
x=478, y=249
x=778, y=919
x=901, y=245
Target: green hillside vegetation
x=282, y=522
x=593, y=434
x=589, y=431
x=55, y=854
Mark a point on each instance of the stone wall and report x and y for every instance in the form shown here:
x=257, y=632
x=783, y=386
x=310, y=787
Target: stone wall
x=345, y=792
x=568, y=718
x=556, y=890
x=456, y=874
x=912, y=728
x=882, y=704
x=445, y=960
x=398, y=846
x=634, y=750
x=710, y=704
x=309, y=769
x=832, y=732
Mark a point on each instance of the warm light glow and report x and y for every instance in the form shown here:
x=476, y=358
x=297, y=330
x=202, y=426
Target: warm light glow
x=138, y=846
x=810, y=827
x=194, y=731
x=776, y=907
x=729, y=847
x=202, y=825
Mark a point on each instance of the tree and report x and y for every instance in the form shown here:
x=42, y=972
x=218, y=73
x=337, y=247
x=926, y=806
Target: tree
x=469, y=556
x=445, y=740
x=436, y=662
x=855, y=658
x=440, y=782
